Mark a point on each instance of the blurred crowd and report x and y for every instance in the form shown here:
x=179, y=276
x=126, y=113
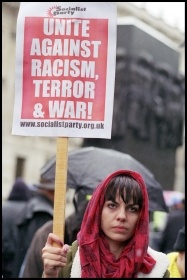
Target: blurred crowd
x=27, y=219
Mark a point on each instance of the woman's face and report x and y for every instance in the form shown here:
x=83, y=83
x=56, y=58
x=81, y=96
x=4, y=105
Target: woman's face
x=119, y=220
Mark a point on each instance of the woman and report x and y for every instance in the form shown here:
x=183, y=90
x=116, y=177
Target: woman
x=114, y=235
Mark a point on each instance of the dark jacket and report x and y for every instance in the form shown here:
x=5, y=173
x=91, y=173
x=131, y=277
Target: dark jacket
x=37, y=212
x=11, y=210
x=33, y=263
x=175, y=221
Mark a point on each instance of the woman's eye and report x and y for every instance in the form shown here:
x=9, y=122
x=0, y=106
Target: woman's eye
x=111, y=205
x=133, y=209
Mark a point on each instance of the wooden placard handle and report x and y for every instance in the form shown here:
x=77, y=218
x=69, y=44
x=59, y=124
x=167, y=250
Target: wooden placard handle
x=60, y=187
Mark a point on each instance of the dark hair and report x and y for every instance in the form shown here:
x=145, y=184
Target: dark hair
x=20, y=191
x=73, y=222
x=126, y=187
x=179, y=245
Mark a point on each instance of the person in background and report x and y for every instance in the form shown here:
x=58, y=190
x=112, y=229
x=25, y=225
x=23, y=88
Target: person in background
x=20, y=191
x=32, y=266
x=174, y=221
x=113, y=238
x=12, y=207
x=177, y=257
x=37, y=211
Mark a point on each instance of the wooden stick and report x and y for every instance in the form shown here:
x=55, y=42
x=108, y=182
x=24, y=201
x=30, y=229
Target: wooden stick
x=60, y=187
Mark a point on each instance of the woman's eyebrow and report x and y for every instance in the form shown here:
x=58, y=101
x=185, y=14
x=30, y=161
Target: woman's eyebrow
x=132, y=204
x=112, y=200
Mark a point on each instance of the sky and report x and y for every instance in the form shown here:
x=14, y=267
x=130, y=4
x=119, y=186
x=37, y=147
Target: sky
x=173, y=13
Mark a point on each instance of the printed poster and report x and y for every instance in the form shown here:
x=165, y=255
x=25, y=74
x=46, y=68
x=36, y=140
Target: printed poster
x=65, y=69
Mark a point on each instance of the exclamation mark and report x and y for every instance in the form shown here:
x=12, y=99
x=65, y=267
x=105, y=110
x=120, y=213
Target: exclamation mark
x=90, y=105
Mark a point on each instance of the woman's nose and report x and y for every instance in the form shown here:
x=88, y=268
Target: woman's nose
x=121, y=215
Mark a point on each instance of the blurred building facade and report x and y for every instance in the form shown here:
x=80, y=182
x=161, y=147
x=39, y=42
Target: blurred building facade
x=24, y=156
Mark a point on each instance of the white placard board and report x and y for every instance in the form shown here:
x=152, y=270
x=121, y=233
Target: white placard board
x=65, y=69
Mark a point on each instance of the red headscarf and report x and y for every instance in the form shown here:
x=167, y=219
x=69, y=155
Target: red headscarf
x=96, y=259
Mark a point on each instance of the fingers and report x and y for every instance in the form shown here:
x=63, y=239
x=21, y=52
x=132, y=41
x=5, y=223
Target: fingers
x=53, y=257
x=53, y=238
x=65, y=248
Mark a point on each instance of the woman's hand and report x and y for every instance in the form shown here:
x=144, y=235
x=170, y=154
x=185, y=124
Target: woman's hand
x=54, y=258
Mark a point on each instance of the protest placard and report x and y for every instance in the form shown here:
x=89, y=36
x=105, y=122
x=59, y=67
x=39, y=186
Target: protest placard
x=65, y=73
x=65, y=69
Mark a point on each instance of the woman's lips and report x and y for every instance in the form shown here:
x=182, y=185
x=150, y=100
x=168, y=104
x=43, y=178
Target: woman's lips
x=119, y=229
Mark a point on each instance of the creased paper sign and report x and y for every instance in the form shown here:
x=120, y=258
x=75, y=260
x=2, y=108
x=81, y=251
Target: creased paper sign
x=65, y=69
